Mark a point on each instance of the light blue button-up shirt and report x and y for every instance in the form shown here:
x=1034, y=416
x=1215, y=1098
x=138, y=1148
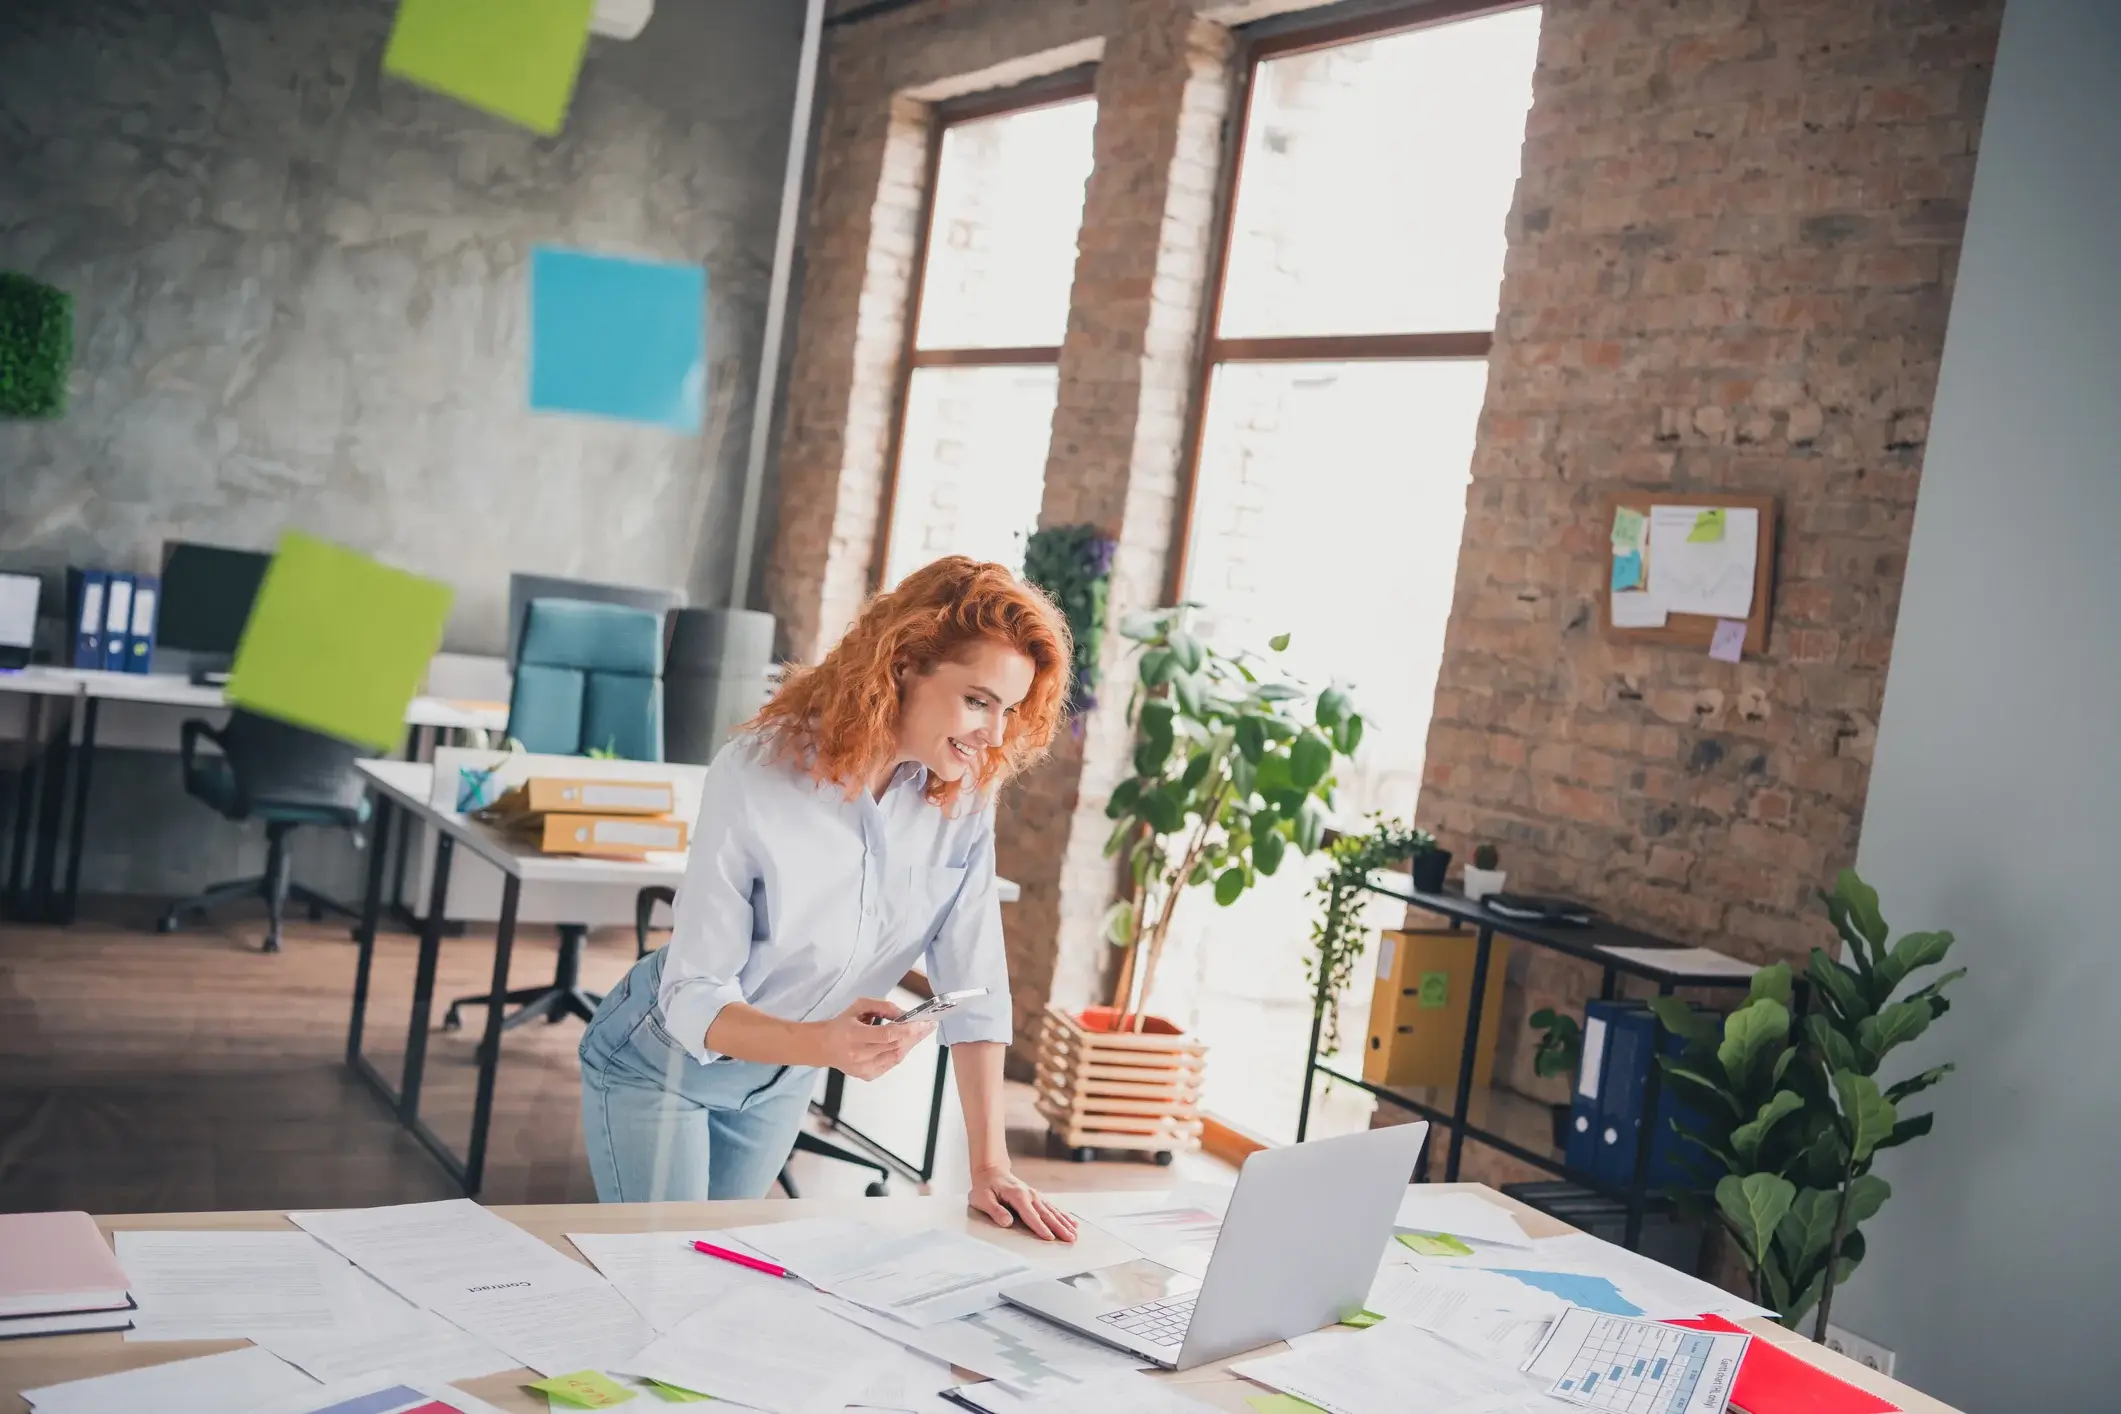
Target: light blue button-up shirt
x=798, y=900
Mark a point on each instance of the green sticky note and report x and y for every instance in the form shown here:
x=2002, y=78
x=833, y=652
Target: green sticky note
x=674, y=1395
x=1281, y=1404
x=1435, y=1244
x=1627, y=529
x=1362, y=1320
x=587, y=1389
x=1708, y=527
x=337, y=642
x=1435, y=990
x=516, y=59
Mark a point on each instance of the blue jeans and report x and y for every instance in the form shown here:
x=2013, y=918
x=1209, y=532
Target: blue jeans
x=661, y=1126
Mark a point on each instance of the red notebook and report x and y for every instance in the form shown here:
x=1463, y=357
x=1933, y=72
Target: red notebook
x=1773, y=1381
x=57, y=1262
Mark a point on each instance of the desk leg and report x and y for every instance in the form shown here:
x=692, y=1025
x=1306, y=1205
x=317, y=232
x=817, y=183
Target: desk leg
x=1464, y=1104
x=935, y=1112
x=365, y=932
x=52, y=769
x=82, y=767
x=423, y=982
x=1646, y=1132
x=26, y=791
x=1318, y=1031
x=397, y=876
x=490, y=1048
x=1608, y=985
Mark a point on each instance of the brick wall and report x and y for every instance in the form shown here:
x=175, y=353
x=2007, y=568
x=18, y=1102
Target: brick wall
x=1731, y=259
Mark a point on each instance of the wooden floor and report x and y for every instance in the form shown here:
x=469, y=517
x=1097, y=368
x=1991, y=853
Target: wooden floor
x=146, y=1073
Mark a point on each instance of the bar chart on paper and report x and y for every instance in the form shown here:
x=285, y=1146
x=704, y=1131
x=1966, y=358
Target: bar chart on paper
x=1638, y=1367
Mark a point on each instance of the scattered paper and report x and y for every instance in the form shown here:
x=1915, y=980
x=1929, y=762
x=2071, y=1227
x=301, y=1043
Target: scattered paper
x=1391, y=1369
x=1628, y=525
x=419, y=1345
x=771, y=1350
x=1708, y=526
x=1178, y=1228
x=389, y=1395
x=1627, y=570
x=1690, y=576
x=661, y=1274
x=1585, y=1271
x=920, y=1277
x=1465, y=1215
x=1434, y=1244
x=1122, y=1393
x=1605, y=1362
x=211, y=1384
x=1279, y=1404
x=1026, y=1353
x=585, y=1389
x=1728, y=644
x=1693, y=962
x=228, y=1285
x=552, y=1329
x=1637, y=608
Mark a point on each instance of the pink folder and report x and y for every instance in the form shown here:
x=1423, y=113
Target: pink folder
x=54, y=1262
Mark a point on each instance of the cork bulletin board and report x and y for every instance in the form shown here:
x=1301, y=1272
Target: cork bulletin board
x=1644, y=521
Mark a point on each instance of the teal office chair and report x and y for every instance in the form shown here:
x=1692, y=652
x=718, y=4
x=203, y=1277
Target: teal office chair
x=589, y=677
x=284, y=775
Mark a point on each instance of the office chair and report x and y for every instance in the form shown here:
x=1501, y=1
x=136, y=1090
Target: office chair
x=805, y=1141
x=588, y=678
x=285, y=775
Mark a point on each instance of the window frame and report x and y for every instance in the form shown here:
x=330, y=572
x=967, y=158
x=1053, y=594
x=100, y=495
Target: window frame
x=1046, y=91
x=1281, y=39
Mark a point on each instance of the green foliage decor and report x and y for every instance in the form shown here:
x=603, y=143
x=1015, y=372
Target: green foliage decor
x=1560, y=1038
x=1228, y=775
x=1073, y=564
x=1796, y=1116
x=1338, y=936
x=36, y=346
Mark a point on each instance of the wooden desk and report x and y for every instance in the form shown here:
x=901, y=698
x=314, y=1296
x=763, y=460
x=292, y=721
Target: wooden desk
x=32, y=1364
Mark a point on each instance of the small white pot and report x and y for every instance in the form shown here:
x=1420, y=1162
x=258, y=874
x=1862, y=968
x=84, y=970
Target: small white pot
x=1479, y=883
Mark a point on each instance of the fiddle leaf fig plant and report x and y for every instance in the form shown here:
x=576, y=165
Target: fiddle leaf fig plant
x=1233, y=767
x=1796, y=1116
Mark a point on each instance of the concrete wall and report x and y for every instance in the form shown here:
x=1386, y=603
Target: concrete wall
x=300, y=288
x=300, y=300
x=1995, y=801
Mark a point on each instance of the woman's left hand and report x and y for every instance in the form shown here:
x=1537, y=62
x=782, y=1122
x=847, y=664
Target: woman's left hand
x=1007, y=1200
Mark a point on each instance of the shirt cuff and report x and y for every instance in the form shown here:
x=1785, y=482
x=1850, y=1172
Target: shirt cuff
x=983, y=1020
x=689, y=1009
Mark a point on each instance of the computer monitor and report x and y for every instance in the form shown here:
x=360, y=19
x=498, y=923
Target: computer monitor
x=522, y=588
x=207, y=591
x=18, y=618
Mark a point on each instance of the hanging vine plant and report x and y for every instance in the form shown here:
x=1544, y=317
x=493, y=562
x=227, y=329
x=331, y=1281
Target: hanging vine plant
x=1338, y=936
x=1073, y=564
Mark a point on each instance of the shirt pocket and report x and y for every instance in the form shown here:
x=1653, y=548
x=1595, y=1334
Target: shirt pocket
x=927, y=894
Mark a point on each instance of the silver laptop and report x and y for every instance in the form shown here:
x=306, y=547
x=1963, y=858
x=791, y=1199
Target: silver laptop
x=1299, y=1250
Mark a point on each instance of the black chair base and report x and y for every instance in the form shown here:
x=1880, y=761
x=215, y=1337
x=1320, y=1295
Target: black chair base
x=273, y=886
x=565, y=996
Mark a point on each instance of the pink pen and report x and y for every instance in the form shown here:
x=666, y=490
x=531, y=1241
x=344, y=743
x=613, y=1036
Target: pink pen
x=741, y=1260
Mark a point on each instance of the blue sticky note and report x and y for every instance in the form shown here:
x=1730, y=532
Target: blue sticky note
x=617, y=337
x=1627, y=570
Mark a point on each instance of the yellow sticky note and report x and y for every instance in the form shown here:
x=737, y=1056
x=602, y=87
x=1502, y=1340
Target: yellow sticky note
x=337, y=642
x=1281, y=1404
x=1362, y=1320
x=589, y=1389
x=1434, y=1244
x=673, y=1395
x=1708, y=526
x=516, y=59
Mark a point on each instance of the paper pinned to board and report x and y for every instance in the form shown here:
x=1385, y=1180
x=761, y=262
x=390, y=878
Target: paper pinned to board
x=1708, y=526
x=1713, y=578
x=1628, y=527
x=1637, y=608
x=1728, y=645
x=1627, y=570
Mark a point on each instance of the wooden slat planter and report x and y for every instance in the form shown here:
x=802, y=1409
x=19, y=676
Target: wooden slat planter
x=1101, y=1089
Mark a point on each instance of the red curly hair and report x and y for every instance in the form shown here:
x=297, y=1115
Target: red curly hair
x=838, y=721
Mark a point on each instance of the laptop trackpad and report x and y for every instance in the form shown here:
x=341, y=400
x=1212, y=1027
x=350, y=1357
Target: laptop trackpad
x=1131, y=1284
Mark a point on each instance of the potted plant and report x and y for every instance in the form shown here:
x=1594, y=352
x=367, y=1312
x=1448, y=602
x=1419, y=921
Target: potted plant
x=1429, y=864
x=1233, y=767
x=1795, y=1117
x=1484, y=876
x=1337, y=938
x=1559, y=1052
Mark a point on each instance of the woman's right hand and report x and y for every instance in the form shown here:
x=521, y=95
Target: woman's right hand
x=850, y=1044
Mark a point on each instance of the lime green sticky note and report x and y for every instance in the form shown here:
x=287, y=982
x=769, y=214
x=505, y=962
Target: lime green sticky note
x=1281, y=1404
x=1628, y=526
x=337, y=642
x=1435, y=1244
x=516, y=59
x=589, y=1389
x=674, y=1395
x=1708, y=526
x=1362, y=1320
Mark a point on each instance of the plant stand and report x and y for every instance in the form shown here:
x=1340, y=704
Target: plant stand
x=1105, y=1089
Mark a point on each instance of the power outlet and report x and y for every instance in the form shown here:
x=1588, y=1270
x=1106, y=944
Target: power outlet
x=1856, y=1348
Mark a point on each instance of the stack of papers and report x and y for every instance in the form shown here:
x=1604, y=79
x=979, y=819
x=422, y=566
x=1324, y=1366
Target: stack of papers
x=57, y=1276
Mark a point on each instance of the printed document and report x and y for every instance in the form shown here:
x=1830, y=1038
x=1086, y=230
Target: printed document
x=1025, y=1353
x=211, y=1384
x=1610, y=1362
x=1392, y=1368
x=920, y=1277
x=661, y=1274
x=228, y=1285
x=776, y=1351
x=1178, y=1228
x=1465, y=1215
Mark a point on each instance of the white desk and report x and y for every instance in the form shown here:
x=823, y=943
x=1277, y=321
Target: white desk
x=404, y=788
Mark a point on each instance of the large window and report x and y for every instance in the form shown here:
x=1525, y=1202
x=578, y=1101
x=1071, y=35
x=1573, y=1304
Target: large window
x=1005, y=200
x=1342, y=385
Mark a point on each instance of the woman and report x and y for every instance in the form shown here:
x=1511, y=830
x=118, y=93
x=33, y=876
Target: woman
x=846, y=831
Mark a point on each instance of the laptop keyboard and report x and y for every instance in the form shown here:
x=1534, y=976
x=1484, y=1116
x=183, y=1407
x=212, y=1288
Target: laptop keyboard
x=1158, y=1322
